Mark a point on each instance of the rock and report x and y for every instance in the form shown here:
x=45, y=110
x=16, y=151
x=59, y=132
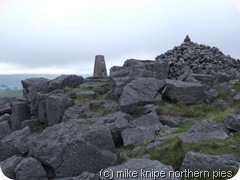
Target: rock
x=150, y=108
x=203, y=78
x=134, y=69
x=232, y=122
x=205, y=162
x=186, y=92
x=136, y=136
x=30, y=169
x=223, y=89
x=14, y=143
x=140, y=168
x=32, y=88
x=187, y=39
x=149, y=122
x=20, y=112
x=5, y=117
x=56, y=104
x=237, y=97
x=4, y=129
x=9, y=165
x=141, y=92
x=5, y=105
x=201, y=59
x=71, y=113
x=205, y=130
x=211, y=94
x=83, y=176
x=69, y=149
x=171, y=121
x=63, y=81
x=116, y=122
x=31, y=123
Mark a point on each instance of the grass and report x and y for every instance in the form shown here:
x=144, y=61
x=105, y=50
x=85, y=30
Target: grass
x=12, y=93
x=201, y=112
x=236, y=86
x=39, y=129
x=172, y=151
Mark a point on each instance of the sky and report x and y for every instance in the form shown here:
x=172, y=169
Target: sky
x=63, y=36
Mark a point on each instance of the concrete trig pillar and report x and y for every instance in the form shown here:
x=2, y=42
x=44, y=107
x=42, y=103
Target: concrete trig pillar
x=100, y=67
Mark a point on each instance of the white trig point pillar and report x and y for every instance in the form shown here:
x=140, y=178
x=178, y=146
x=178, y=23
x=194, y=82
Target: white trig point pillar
x=100, y=67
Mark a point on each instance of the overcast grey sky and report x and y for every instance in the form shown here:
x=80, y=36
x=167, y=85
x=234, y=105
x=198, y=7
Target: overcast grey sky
x=63, y=36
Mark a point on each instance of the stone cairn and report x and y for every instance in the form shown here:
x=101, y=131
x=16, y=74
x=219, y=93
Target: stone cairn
x=99, y=67
x=200, y=59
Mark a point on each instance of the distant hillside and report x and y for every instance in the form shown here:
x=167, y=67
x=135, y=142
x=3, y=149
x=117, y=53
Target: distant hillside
x=10, y=85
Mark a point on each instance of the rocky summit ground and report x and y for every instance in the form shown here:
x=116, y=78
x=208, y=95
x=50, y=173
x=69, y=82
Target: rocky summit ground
x=176, y=117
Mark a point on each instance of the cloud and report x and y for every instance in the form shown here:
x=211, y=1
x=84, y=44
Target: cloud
x=59, y=33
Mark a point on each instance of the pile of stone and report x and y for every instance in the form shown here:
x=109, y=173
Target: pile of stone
x=200, y=59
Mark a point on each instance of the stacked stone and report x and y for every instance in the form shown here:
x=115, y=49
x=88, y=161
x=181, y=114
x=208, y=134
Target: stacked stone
x=199, y=59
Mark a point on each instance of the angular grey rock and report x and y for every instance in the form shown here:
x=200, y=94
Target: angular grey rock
x=5, y=105
x=205, y=130
x=237, y=97
x=171, y=121
x=56, y=104
x=9, y=165
x=70, y=148
x=14, y=143
x=117, y=122
x=72, y=113
x=31, y=123
x=20, y=112
x=32, y=88
x=150, y=108
x=136, y=136
x=211, y=94
x=5, y=117
x=221, y=77
x=30, y=169
x=141, y=92
x=232, y=122
x=4, y=129
x=144, y=131
x=205, y=162
x=63, y=81
x=134, y=69
x=203, y=78
x=148, y=122
x=142, y=168
x=224, y=89
x=186, y=92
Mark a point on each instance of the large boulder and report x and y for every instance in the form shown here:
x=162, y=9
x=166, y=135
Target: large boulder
x=71, y=148
x=5, y=129
x=30, y=169
x=63, y=81
x=232, y=122
x=138, y=169
x=205, y=130
x=141, y=91
x=144, y=130
x=134, y=69
x=72, y=113
x=186, y=92
x=20, y=112
x=56, y=104
x=5, y=117
x=5, y=105
x=9, y=165
x=205, y=162
x=14, y=143
x=32, y=88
